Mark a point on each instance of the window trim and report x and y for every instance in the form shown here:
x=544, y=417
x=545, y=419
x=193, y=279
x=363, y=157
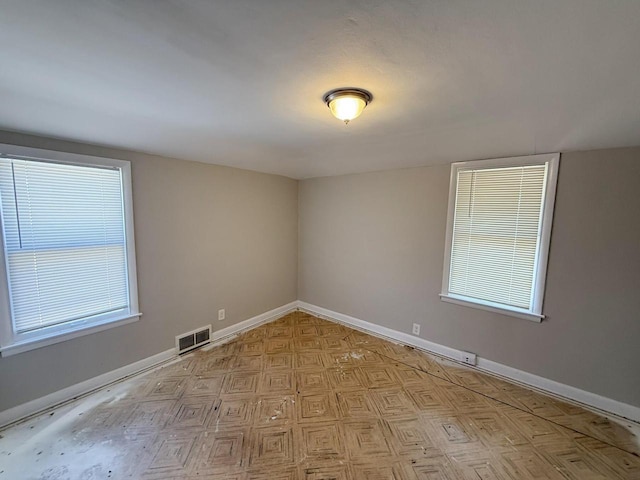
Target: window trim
x=12, y=343
x=540, y=269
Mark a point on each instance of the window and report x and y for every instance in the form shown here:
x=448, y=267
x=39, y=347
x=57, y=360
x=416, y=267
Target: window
x=68, y=262
x=498, y=231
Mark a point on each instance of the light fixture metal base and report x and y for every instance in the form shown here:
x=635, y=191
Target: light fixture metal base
x=338, y=92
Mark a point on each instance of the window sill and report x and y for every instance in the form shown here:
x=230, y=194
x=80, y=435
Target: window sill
x=21, y=346
x=466, y=302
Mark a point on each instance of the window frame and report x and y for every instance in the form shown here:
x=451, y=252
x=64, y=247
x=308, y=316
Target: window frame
x=542, y=256
x=11, y=342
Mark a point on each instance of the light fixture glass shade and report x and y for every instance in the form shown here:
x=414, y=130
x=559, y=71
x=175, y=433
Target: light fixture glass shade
x=347, y=108
x=347, y=104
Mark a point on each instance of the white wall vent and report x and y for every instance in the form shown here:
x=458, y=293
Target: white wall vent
x=193, y=339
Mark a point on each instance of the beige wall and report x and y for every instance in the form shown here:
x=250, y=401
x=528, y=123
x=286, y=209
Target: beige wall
x=207, y=237
x=372, y=246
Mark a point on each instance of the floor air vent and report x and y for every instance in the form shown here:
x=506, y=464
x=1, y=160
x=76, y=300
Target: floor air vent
x=194, y=339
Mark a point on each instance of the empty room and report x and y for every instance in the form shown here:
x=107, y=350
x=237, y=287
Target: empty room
x=319, y=240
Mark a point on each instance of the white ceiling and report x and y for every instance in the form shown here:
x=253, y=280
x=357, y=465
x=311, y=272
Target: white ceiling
x=240, y=82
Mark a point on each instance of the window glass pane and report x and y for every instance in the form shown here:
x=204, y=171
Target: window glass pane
x=64, y=240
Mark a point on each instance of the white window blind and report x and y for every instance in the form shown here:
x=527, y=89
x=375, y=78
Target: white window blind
x=64, y=239
x=498, y=234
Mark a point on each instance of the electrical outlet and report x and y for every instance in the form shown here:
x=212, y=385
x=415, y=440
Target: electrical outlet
x=221, y=314
x=468, y=357
x=416, y=329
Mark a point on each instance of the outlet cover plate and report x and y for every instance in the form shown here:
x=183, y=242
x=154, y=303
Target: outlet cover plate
x=468, y=358
x=416, y=329
x=221, y=314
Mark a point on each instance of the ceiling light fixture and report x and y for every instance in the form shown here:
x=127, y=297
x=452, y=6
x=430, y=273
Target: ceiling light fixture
x=347, y=103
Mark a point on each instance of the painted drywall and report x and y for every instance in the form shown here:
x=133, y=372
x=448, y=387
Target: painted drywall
x=207, y=237
x=372, y=246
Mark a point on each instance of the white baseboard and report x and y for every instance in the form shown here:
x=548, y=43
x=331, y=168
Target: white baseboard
x=565, y=392
x=225, y=334
x=21, y=412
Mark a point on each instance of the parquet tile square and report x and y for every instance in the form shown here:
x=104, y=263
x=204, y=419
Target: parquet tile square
x=368, y=359
x=429, y=400
x=316, y=407
x=308, y=360
x=308, y=344
x=303, y=331
x=255, y=335
x=277, y=381
x=201, y=385
x=254, y=348
x=411, y=376
x=233, y=411
x=345, y=378
x=280, y=331
x=272, y=447
x=278, y=361
x=304, y=398
x=340, y=359
x=392, y=402
x=495, y=429
x=356, y=403
x=367, y=439
x=166, y=389
x=537, y=430
x=474, y=381
x=278, y=345
x=241, y=382
x=221, y=452
x=275, y=410
x=247, y=362
x=453, y=434
x=321, y=440
x=211, y=365
x=173, y=452
x=334, y=343
x=332, y=330
x=312, y=380
x=379, y=377
x=463, y=400
x=409, y=437
x=191, y=413
x=148, y=416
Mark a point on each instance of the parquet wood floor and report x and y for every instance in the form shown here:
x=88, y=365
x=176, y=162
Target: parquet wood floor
x=304, y=398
